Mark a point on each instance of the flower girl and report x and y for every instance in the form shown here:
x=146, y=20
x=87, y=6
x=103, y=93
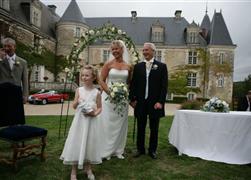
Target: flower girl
x=81, y=146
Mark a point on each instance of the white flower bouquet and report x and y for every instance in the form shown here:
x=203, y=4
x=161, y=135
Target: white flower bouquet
x=215, y=105
x=85, y=107
x=118, y=96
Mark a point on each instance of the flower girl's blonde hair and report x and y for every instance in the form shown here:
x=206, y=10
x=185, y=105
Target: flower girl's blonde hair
x=94, y=72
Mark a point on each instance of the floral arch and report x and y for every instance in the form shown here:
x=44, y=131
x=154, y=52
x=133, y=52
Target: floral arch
x=106, y=32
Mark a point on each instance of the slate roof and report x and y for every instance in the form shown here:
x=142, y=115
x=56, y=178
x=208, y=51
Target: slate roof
x=219, y=34
x=73, y=14
x=140, y=30
x=205, y=22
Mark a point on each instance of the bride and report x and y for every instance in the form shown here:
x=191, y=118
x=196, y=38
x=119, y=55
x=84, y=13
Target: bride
x=113, y=125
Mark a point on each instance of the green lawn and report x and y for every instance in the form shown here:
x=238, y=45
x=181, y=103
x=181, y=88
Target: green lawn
x=168, y=165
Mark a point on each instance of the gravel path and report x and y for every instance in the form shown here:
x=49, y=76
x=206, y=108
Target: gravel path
x=55, y=109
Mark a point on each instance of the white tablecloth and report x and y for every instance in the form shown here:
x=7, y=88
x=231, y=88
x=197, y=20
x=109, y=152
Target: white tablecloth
x=222, y=137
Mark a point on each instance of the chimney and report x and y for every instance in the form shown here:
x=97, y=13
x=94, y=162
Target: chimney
x=134, y=16
x=178, y=14
x=52, y=8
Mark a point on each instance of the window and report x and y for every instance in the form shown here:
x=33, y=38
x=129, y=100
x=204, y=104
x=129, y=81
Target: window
x=38, y=44
x=192, y=57
x=5, y=4
x=191, y=96
x=169, y=96
x=157, y=37
x=221, y=58
x=35, y=18
x=192, y=37
x=157, y=32
x=106, y=54
x=220, y=82
x=77, y=33
x=191, y=79
x=36, y=76
x=157, y=55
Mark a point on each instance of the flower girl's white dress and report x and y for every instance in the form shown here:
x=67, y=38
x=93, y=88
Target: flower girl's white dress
x=82, y=143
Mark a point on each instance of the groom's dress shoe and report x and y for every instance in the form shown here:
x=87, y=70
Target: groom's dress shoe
x=153, y=155
x=138, y=153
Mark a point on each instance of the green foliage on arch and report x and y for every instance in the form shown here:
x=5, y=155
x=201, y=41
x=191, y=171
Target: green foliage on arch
x=107, y=32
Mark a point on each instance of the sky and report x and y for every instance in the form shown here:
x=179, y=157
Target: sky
x=236, y=13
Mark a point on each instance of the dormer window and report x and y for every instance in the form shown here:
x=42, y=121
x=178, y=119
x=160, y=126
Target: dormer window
x=157, y=37
x=192, y=33
x=34, y=13
x=35, y=18
x=157, y=33
x=5, y=4
x=192, y=37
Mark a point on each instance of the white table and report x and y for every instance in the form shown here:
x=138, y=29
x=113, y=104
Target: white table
x=221, y=137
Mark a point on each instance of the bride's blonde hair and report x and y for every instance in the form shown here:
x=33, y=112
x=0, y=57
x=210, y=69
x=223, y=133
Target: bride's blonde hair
x=125, y=54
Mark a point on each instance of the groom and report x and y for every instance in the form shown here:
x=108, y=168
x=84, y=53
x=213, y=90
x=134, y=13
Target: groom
x=147, y=95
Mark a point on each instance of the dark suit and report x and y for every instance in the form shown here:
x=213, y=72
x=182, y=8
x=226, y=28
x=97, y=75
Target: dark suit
x=157, y=89
x=13, y=87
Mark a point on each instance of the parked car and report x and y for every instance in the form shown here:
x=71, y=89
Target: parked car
x=47, y=96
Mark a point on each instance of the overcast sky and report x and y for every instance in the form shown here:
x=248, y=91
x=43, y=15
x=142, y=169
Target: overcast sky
x=236, y=13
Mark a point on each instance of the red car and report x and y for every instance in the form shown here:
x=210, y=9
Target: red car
x=45, y=97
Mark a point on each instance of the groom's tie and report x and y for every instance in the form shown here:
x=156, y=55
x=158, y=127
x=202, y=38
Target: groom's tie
x=148, y=68
x=148, y=65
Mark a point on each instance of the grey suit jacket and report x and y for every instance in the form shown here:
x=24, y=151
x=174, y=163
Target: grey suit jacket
x=17, y=76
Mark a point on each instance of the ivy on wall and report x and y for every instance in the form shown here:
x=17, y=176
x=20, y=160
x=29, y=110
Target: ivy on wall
x=54, y=64
x=178, y=79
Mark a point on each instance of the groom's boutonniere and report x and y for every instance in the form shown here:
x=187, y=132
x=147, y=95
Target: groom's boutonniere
x=17, y=63
x=155, y=66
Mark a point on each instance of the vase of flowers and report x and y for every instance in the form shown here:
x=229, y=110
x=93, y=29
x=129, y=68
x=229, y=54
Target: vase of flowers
x=118, y=96
x=215, y=105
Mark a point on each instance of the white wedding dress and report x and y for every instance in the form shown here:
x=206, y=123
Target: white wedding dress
x=113, y=125
x=83, y=141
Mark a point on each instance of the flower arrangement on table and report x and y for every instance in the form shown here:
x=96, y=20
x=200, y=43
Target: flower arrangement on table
x=215, y=105
x=118, y=96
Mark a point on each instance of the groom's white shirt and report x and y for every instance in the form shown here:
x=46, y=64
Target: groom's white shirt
x=147, y=75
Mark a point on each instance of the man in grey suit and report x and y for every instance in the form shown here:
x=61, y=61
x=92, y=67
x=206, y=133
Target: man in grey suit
x=13, y=84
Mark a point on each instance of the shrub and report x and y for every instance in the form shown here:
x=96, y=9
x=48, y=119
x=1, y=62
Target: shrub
x=178, y=100
x=196, y=105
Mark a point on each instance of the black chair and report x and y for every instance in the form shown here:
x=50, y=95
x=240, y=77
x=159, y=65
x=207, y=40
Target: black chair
x=17, y=136
x=25, y=140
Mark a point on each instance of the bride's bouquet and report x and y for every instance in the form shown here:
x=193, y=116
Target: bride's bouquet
x=215, y=105
x=118, y=96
